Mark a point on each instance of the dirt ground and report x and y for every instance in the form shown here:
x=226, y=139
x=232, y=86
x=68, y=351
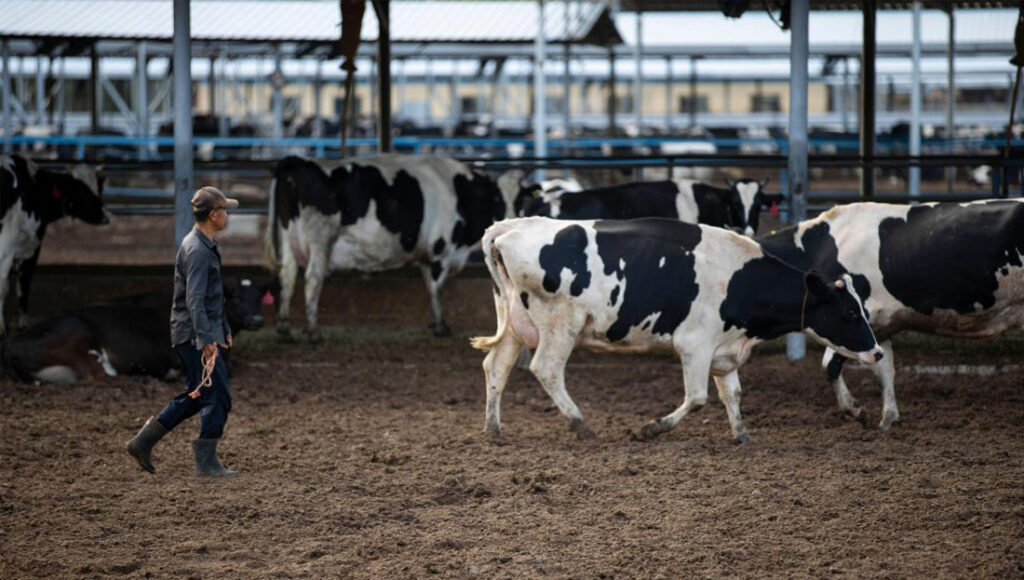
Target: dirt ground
x=365, y=457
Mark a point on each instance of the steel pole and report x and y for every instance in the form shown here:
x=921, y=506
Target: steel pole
x=611, y=91
x=141, y=101
x=951, y=98
x=40, y=92
x=867, y=101
x=540, y=122
x=5, y=46
x=798, y=56
x=183, y=184
x=95, y=94
x=383, y=8
x=915, y=102
x=638, y=75
x=669, y=81
x=566, y=80
x=693, y=92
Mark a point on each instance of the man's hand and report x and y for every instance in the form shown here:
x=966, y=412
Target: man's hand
x=209, y=351
x=230, y=342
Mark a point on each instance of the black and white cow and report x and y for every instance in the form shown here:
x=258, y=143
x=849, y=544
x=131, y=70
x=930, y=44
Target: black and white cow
x=375, y=214
x=705, y=293
x=33, y=198
x=126, y=336
x=951, y=269
x=739, y=207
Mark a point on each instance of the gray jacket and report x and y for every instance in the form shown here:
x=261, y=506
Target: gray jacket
x=197, y=312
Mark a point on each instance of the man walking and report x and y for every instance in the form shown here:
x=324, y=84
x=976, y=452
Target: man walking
x=198, y=330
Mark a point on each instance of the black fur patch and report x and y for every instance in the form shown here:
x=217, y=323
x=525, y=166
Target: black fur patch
x=640, y=246
x=568, y=250
x=947, y=256
x=834, y=368
x=435, y=270
x=525, y=299
x=479, y=204
x=438, y=246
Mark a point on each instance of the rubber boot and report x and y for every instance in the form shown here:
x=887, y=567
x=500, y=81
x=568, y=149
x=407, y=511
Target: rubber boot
x=207, y=463
x=142, y=444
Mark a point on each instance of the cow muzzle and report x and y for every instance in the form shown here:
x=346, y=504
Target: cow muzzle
x=871, y=357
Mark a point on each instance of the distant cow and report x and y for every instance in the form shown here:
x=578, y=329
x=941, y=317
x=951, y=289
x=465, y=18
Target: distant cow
x=951, y=269
x=705, y=293
x=738, y=207
x=126, y=336
x=376, y=214
x=33, y=198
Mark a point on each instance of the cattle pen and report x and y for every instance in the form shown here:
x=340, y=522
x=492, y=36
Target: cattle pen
x=364, y=449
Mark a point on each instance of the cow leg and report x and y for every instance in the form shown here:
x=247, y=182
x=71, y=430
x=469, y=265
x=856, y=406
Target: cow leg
x=286, y=275
x=729, y=393
x=497, y=366
x=833, y=362
x=885, y=371
x=548, y=365
x=25, y=271
x=316, y=271
x=696, y=369
x=435, y=274
x=5, y=280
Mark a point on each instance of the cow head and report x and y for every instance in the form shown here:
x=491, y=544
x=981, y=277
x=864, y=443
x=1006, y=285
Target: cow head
x=243, y=302
x=747, y=199
x=834, y=315
x=516, y=191
x=77, y=193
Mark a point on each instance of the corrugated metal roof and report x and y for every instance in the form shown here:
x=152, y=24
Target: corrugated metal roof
x=309, y=20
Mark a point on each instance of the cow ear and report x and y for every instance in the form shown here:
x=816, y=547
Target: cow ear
x=816, y=284
x=730, y=182
x=765, y=182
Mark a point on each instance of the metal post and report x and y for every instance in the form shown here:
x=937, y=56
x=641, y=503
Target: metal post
x=540, y=93
x=693, y=92
x=453, y=91
x=141, y=98
x=211, y=84
x=611, y=91
x=798, y=53
x=5, y=46
x=845, y=92
x=867, y=101
x=638, y=75
x=566, y=80
x=222, y=92
x=951, y=98
x=318, y=83
x=40, y=92
x=427, y=112
x=182, y=121
x=403, y=80
x=669, y=81
x=915, y=102
x=383, y=9
x=95, y=96
x=277, y=98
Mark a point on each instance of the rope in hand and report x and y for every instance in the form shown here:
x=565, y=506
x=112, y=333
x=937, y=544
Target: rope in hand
x=207, y=379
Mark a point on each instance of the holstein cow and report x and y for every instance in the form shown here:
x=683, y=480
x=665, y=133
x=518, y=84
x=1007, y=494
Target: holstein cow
x=952, y=269
x=738, y=207
x=33, y=198
x=126, y=336
x=706, y=293
x=375, y=214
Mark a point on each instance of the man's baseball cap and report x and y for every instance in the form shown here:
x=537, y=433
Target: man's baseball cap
x=211, y=198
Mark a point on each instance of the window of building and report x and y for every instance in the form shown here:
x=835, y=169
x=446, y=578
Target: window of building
x=765, y=104
x=686, y=104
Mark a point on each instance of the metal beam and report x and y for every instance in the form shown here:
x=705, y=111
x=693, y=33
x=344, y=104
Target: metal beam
x=183, y=184
x=95, y=96
x=40, y=91
x=383, y=9
x=222, y=93
x=141, y=97
x=669, y=81
x=540, y=91
x=951, y=97
x=867, y=100
x=567, y=79
x=277, y=81
x=795, y=342
x=5, y=47
x=611, y=92
x=914, y=180
x=638, y=75
x=693, y=92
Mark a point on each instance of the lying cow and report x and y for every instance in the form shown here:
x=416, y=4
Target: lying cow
x=127, y=336
x=738, y=208
x=32, y=199
x=375, y=214
x=951, y=269
x=632, y=286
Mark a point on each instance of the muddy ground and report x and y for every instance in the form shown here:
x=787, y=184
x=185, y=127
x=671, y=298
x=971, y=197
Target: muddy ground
x=365, y=457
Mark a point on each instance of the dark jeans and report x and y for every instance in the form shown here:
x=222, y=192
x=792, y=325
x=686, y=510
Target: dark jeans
x=214, y=401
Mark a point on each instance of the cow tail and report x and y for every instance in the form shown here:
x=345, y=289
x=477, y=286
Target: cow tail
x=501, y=289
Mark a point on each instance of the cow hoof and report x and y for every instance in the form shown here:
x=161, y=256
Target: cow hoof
x=493, y=431
x=441, y=330
x=651, y=430
x=583, y=432
x=888, y=419
x=742, y=438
